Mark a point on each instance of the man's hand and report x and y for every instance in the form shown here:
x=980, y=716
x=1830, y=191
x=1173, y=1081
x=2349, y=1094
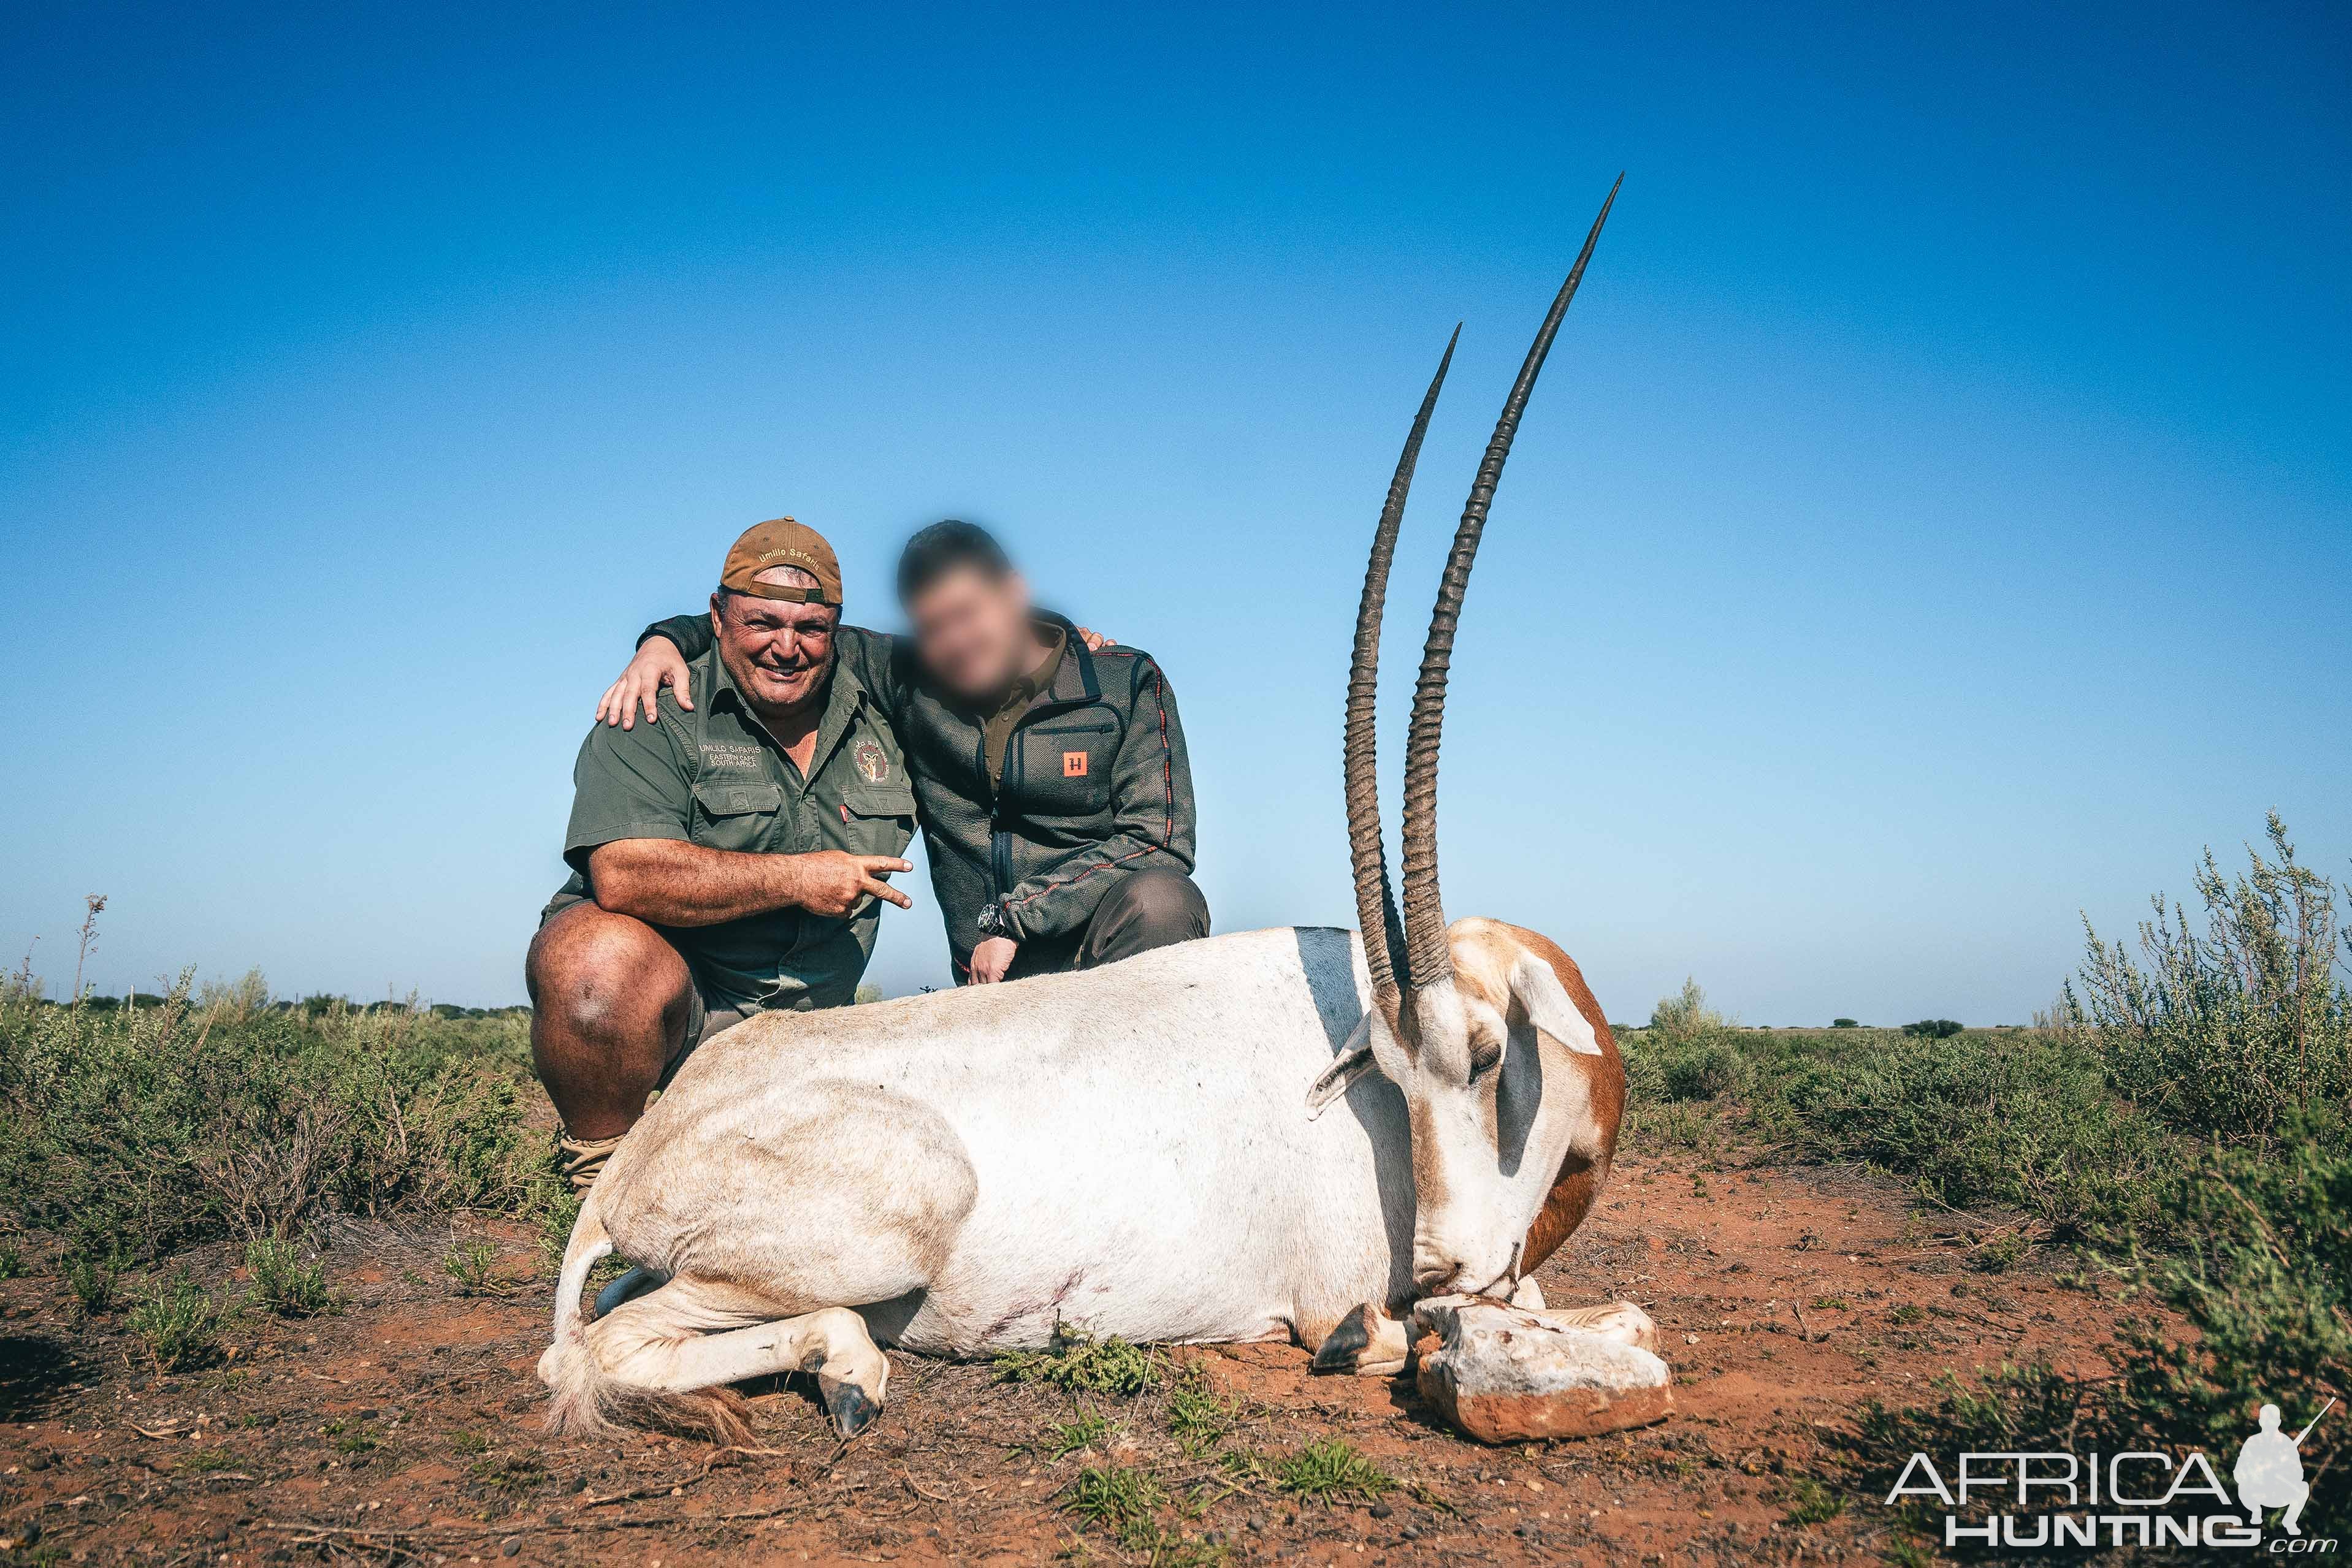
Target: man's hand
x=1095, y=641
x=831, y=882
x=659, y=663
x=992, y=958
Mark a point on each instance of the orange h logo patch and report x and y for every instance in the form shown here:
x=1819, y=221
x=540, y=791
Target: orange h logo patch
x=1074, y=765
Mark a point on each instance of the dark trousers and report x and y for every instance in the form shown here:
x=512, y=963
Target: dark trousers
x=1143, y=910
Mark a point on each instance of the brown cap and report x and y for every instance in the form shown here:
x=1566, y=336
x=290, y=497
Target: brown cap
x=780, y=541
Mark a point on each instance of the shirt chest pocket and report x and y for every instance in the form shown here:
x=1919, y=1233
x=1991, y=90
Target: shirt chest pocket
x=737, y=814
x=1066, y=767
x=876, y=819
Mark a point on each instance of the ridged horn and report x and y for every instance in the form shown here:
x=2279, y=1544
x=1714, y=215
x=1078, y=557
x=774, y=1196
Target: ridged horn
x=1427, y=958
x=1376, y=911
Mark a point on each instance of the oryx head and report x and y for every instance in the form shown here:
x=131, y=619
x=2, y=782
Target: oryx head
x=1475, y=1025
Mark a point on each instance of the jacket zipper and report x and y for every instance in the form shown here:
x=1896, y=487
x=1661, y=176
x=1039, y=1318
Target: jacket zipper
x=999, y=851
x=1000, y=846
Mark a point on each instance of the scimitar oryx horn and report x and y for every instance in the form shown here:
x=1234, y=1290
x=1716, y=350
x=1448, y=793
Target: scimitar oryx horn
x=1428, y=961
x=1408, y=955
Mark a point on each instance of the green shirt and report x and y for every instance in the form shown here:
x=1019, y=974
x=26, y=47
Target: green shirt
x=998, y=731
x=716, y=777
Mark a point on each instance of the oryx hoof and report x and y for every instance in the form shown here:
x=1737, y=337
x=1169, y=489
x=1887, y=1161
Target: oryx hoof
x=1366, y=1343
x=852, y=1408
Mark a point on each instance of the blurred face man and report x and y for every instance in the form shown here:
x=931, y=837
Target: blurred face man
x=970, y=613
x=778, y=653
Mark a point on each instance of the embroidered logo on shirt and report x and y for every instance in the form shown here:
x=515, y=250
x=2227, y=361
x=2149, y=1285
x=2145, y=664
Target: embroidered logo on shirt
x=1074, y=765
x=873, y=762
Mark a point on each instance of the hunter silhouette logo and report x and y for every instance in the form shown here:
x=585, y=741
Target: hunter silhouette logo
x=2269, y=1472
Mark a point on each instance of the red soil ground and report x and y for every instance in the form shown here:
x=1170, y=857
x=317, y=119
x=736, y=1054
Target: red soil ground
x=405, y=1429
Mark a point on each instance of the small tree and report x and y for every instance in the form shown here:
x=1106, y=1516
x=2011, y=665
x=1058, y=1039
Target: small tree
x=1686, y=1013
x=2233, y=1030
x=1844, y=1023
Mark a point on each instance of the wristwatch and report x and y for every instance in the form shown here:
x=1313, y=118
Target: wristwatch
x=992, y=921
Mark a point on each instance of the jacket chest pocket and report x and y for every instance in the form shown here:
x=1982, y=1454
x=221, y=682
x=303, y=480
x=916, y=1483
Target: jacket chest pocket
x=876, y=819
x=737, y=815
x=1066, y=768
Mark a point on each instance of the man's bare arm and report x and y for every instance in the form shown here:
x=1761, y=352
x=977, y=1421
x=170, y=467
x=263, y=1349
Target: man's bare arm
x=659, y=663
x=664, y=882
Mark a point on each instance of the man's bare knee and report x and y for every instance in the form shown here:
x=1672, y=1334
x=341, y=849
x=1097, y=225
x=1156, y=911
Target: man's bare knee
x=600, y=975
x=610, y=1000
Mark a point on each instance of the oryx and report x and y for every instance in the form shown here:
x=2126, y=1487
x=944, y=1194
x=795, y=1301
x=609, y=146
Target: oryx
x=1246, y=1137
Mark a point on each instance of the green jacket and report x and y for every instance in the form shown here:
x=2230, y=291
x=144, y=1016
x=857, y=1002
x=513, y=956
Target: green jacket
x=716, y=777
x=1096, y=782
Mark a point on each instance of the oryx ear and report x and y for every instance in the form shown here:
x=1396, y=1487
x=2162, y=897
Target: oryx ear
x=1546, y=1004
x=1355, y=1059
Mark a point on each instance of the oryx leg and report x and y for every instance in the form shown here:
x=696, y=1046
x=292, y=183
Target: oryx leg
x=690, y=1335
x=850, y=1196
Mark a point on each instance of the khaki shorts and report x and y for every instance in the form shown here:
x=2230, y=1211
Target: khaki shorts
x=705, y=1016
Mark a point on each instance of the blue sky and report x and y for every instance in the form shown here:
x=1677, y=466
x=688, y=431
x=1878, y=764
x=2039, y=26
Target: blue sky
x=1932, y=525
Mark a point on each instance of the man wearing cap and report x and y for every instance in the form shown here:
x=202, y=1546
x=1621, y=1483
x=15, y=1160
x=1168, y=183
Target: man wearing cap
x=1049, y=768
x=728, y=860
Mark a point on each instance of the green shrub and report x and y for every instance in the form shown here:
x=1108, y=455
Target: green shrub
x=2232, y=1032
x=1844, y=1023
x=1809, y=1502
x=180, y=1322
x=1084, y=1432
x=1119, y=1501
x=284, y=1282
x=1689, y=1052
x=1199, y=1418
x=1076, y=1362
x=472, y=1268
x=95, y=1277
x=2261, y=1275
x=1932, y=1029
x=1706, y=1070
x=128, y=1134
x=1332, y=1468
x=1685, y=1015
x=2021, y=1120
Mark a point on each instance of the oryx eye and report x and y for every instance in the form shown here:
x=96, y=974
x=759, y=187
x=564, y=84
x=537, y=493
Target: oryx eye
x=1486, y=1055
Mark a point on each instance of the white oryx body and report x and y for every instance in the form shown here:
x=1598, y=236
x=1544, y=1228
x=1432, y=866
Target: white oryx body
x=1186, y=1194
x=1128, y=1150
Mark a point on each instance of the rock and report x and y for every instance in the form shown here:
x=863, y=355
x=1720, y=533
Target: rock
x=1505, y=1373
